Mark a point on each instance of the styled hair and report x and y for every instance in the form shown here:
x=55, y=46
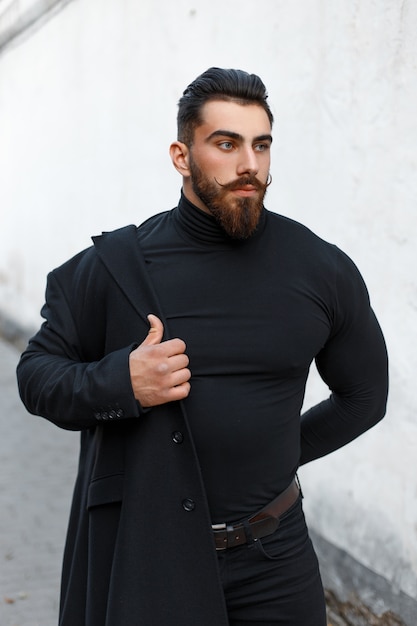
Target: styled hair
x=218, y=84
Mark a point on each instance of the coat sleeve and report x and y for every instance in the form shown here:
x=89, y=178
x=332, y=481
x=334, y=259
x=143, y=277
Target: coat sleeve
x=354, y=365
x=59, y=382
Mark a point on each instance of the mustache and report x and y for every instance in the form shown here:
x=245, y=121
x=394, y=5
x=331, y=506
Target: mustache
x=245, y=180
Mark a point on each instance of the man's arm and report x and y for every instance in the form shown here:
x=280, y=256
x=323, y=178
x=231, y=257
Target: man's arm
x=57, y=382
x=354, y=365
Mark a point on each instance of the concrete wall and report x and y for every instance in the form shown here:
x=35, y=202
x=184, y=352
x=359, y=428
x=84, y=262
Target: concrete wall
x=87, y=111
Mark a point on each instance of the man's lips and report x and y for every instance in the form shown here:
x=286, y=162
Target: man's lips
x=245, y=190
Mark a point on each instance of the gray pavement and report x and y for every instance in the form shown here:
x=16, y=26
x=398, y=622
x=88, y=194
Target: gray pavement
x=37, y=472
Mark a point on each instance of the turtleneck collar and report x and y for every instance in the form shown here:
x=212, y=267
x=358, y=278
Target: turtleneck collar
x=203, y=227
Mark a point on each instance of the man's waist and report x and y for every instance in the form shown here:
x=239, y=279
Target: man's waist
x=262, y=524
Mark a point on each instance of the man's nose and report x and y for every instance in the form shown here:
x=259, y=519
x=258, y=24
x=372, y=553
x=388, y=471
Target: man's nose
x=248, y=162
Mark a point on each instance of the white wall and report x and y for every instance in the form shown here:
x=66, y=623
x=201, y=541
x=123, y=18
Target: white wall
x=87, y=112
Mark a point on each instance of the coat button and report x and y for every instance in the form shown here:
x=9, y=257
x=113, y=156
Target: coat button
x=120, y=413
x=104, y=415
x=112, y=415
x=188, y=504
x=177, y=437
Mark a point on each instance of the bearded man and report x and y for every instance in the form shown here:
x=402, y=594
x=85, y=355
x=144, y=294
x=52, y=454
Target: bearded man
x=180, y=350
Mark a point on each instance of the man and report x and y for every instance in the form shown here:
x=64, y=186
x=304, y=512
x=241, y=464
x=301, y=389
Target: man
x=181, y=350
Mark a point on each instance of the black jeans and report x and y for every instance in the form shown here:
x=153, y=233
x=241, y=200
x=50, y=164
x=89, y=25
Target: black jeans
x=275, y=581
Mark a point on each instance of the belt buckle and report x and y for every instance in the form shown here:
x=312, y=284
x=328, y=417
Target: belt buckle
x=222, y=526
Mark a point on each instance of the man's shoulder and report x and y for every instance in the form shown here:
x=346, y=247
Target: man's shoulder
x=155, y=220
x=88, y=258
x=126, y=232
x=303, y=243
x=288, y=227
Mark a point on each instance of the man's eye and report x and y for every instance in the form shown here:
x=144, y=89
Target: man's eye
x=226, y=145
x=262, y=147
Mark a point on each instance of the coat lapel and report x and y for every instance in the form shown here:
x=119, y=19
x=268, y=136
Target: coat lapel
x=120, y=252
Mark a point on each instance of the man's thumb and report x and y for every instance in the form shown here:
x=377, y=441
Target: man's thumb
x=156, y=331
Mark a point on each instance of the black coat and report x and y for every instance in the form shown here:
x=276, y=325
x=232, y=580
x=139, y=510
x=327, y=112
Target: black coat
x=139, y=549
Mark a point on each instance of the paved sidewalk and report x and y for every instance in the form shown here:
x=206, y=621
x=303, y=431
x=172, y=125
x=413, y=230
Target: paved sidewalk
x=37, y=472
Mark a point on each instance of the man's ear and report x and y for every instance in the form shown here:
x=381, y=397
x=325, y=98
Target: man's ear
x=180, y=156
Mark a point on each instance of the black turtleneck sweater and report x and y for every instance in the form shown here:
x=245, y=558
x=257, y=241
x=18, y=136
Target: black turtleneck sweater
x=254, y=315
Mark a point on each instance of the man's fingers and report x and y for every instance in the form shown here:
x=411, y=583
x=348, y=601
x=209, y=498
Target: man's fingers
x=156, y=331
x=179, y=392
x=179, y=377
x=178, y=362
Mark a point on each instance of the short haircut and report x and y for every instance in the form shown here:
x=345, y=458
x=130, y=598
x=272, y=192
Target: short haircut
x=218, y=84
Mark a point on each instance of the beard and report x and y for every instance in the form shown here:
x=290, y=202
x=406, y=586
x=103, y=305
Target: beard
x=238, y=217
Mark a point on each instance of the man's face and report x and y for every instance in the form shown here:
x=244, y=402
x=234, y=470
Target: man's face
x=229, y=164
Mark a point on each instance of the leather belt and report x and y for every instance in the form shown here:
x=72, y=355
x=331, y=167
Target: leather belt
x=264, y=523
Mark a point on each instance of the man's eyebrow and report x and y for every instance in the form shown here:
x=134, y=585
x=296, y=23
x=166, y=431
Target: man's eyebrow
x=237, y=136
x=267, y=137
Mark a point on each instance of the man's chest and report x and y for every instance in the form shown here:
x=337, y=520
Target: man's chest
x=239, y=315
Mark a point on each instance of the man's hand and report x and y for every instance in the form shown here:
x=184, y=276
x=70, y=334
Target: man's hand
x=159, y=371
